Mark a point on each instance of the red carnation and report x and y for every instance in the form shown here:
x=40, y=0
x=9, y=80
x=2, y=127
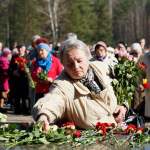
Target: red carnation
x=107, y=125
x=97, y=125
x=143, y=65
x=33, y=61
x=22, y=69
x=112, y=125
x=131, y=128
x=146, y=85
x=69, y=125
x=103, y=129
x=26, y=61
x=78, y=133
x=21, y=64
x=139, y=128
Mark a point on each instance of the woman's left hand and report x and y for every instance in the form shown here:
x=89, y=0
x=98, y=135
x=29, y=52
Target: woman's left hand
x=49, y=80
x=26, y=70
x=119, y=114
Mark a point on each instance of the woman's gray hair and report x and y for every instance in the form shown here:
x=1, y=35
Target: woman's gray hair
x=71, y=44
x=71, y=36
x=136, y=46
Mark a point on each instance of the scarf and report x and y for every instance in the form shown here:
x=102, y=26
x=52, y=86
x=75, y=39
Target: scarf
x=47, y=63
x=89, y=82
x=101, y=58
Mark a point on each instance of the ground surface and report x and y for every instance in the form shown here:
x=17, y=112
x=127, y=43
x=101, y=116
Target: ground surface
x=13, y=118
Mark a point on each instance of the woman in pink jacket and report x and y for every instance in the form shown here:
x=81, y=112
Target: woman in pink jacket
x=4, y=85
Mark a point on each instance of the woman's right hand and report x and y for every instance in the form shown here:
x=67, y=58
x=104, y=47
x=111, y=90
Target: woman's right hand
x=141, y=88
x=46, y=124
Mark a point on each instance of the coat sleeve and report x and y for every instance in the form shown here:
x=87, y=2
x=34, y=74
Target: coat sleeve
x=3, y=65
x=53, y=104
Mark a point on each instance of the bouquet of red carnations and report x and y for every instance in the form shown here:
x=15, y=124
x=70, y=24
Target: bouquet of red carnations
x=22, y=62
x=42, y=75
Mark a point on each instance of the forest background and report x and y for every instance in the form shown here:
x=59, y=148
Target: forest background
x=92, y=20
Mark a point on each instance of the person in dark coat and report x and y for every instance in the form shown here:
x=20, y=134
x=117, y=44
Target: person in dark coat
x=20, y=83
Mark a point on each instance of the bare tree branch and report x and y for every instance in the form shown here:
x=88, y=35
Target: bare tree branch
x=43, y=12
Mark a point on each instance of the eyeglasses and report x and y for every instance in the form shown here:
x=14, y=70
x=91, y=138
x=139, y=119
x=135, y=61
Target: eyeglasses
x=134, y=53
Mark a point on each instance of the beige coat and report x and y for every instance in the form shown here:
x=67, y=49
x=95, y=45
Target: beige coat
x=146, y=74
x=70, y=99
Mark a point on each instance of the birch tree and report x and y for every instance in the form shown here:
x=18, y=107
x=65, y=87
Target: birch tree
x=51, y=13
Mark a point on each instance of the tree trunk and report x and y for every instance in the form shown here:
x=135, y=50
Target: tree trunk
x=56, y=22
x=51, y=20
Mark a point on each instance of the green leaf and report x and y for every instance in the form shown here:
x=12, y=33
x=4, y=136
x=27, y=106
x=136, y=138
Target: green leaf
x=145, y=130
x=28, y=139
x=13, y=126
x=115, y=81
x=36, y=133
x=60, y=130
x=41, y=124
x=43, y=140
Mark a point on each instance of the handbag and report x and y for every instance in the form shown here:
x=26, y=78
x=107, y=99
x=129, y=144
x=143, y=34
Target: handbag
x=132, y=118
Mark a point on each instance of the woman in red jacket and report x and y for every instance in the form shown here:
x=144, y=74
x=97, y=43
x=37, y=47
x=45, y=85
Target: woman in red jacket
x=46, y=63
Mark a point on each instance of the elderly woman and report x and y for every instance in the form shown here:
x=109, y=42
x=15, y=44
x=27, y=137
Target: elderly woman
x=138, y=99
x=82, y=93
x=4, y=76
x=48, y=63
x=136, y=52
x=146, y=74
x=102, y=54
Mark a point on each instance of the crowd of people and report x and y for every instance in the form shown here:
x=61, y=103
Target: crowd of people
x=78, y=80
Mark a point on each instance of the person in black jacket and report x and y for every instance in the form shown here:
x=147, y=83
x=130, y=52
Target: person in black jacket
x=19, y=81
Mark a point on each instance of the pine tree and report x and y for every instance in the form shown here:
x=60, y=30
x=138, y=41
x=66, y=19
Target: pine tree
x=104, y=30
x=81, y=20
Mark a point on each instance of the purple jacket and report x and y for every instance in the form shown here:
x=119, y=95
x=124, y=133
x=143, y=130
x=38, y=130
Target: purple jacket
x=4, y=65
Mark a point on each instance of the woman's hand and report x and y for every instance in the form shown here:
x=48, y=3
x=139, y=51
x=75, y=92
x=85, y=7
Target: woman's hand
x=46, y=124
x=26, y=70
x=49, y=80
x=119, y=114
x=141, y=88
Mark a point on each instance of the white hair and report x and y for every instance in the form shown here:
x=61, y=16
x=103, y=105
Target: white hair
x=110, y=49
x=71, y=44
x=136, y=46
x=71, y=36
x=34, y=38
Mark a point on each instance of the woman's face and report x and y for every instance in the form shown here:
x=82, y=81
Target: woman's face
x=43, y=53
x=76, y=63
x=121, y=48
x=100, y=51
x=135, y=53
x=22, y=50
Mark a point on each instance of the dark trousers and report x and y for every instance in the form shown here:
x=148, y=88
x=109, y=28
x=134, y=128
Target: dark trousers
x=38, y=96
x=21, y=107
